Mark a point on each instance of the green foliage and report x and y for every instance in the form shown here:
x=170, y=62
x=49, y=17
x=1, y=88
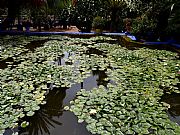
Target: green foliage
x=161, y=16
x=129, y=104
x=143, y=24
x=58, y=4
x=24, y=124
x=23, y=86
x=90, y=8
x=98, y=22
x=115, y=4
x=174, y=20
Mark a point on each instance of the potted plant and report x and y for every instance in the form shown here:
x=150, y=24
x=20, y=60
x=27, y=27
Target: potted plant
x=98, y=24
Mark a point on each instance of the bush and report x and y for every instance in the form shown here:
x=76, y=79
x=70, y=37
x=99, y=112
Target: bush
x=98, y=22
x=83, y=13
x=173, y=28
x=143, y=27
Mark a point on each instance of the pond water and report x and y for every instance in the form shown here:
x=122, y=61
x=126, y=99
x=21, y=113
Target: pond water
x=52, y=120
x=30, y=46
x=174, y=101
x=4, y=63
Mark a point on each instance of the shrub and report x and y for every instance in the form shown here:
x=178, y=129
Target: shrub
x=98, y=22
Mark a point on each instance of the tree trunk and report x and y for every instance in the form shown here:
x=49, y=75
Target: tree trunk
x=13, y=9
x=113, y=20
x=39, y=25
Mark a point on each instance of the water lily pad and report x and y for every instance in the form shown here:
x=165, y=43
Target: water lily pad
x=24, y=124
x=30, y=113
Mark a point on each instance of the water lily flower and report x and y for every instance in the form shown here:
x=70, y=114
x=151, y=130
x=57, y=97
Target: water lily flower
x=92, y=111
x=49, y=76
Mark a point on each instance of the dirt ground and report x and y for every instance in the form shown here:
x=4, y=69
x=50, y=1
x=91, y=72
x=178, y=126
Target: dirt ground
x=55, y=29
x=58, y=29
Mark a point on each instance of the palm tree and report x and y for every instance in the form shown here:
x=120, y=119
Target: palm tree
x=115, y=8
x=43, y=119
x=174, y=21
x=13, y=11
x=14, y=7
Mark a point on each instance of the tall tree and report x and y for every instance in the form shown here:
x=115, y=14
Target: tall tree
x=116, y=9
x=14, y=6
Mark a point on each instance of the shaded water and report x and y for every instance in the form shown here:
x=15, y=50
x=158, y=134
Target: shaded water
x=30, y=46
x=34, y=44
x=94, y=51
x=4, y=63
x=51, y=119
x=157, y=47
x=61, y=61
x=8, y=62
x=45, y=117
x=174, y=111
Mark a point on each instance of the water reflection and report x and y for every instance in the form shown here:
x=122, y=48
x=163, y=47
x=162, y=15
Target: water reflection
x=4, y=63
x=61, y=60
x=88, y=84
x=31, y=46
x=35, y=44
x=174, y=111
x=43, y=120
x=51, y=120
x=94, y=51
x=101, y=77
x=9, y=62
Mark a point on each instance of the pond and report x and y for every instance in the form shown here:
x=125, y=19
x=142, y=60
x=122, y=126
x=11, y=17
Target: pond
x=174, y=101
x=81, y=86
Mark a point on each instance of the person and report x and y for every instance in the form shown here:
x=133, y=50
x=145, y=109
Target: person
x=50, y=22
x=128, y=28
x=19, y=25
x=27, y=25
